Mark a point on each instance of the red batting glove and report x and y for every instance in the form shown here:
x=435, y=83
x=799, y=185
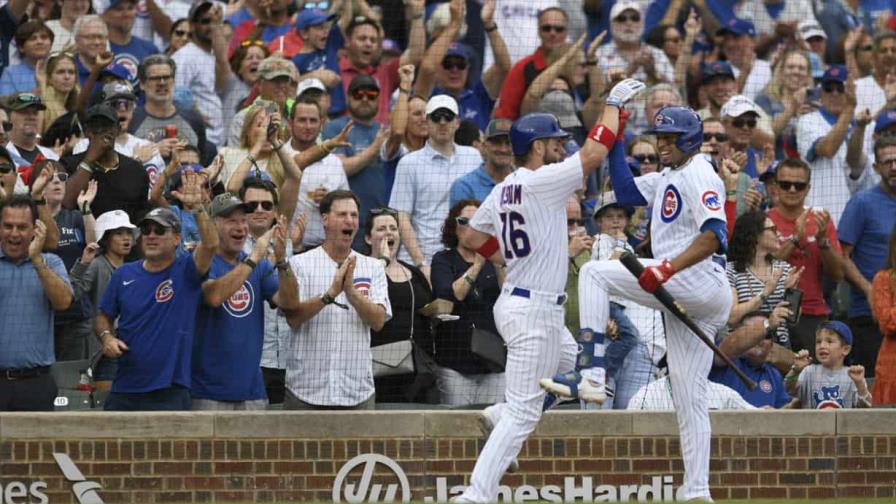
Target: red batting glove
x=651, y=278
x=623, y=119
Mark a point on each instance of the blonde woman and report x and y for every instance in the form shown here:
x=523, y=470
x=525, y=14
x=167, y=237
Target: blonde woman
x=58, y=83
x=785, y=99
x=255, y=154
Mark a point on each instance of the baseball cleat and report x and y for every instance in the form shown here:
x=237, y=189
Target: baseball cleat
x=486, y=424
x=571, y=385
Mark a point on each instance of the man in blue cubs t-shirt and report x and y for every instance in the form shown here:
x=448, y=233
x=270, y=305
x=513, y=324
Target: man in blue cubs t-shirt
x=230, y=329
x=155, y=301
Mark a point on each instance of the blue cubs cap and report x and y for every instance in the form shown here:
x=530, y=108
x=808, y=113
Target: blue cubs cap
x=886, y=119
x=717, y=69
x=117, y=70
x=459, y=50
x=835, y=73
x=311, y=17
x=840, y=328
x=738, y=27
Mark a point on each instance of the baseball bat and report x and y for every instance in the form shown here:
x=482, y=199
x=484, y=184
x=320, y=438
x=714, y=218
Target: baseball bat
x=632, y=264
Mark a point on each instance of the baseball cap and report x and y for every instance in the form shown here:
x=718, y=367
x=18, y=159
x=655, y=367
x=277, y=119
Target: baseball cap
x=838, y=327
x=717, y=69
x=116, y=70
x=835, y=73
x=497, y=128
x=198, y=8
x=739, y=105
x=115, y=90
x=459, y=50
x=886, y=119
x=608, y=200
x=363, y=81
x=273, y=67
x=809, y=29
x=21, y=101
x=620, y=7
x=738, y=27
x=441, y=101
x=113, y=219
x=101, y=111
x=162, y=216
x=309, y=84
x=561, y=104
x=312, y=17
x=224, y=204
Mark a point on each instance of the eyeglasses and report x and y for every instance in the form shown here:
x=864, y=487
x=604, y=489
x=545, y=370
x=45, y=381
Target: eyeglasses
x=646, y=158
x=634, y=18
x=868, y=47
x=7, y=126
x=152, y=229
x=573, y=222
x=547, y=28
x=61, y=176
x=252, y=206
x=787, y=185
x=383, y=211
x=740, y=122
x=121, y=104
x=887, y=162
x=441, y=115
x=181, y=33
x=6, y=168
x=160, y=78
x=253, y=42
x=833, y=87
x=462, y=221
x=719, y=137
x=370, y=94
x=454, y=64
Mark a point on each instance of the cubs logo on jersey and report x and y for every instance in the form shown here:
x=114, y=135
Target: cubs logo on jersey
x=828, y=397
x=241, y=302
x=672, y=204
x=711, y=200
x=165, y=291
x=362, y=285
x=765, y=386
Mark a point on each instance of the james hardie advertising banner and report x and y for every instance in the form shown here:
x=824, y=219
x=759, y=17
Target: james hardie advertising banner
x=359, y=487
x=33, y=491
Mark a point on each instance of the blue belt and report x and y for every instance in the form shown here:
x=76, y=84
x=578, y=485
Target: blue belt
x=526, y=293
x=720, y=260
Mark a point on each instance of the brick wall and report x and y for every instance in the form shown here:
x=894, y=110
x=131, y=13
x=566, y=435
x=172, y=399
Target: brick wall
x=296, y=456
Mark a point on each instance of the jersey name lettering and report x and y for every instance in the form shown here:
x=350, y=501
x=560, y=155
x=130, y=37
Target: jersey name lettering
x=512, y=195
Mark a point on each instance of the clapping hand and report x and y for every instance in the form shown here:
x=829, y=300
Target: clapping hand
x=190, y=194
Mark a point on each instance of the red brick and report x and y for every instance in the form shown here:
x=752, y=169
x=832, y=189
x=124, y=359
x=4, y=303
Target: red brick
x=768, y=493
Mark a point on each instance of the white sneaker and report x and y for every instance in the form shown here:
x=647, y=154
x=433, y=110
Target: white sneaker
x=486, y=424
x=571, y=385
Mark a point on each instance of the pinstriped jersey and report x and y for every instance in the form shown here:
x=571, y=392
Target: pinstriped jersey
x=683, y=199
x=527, y=213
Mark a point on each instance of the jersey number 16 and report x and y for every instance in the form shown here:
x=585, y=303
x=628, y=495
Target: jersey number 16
x=513, y=234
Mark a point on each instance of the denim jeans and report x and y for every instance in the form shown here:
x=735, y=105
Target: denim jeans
x=627, y=338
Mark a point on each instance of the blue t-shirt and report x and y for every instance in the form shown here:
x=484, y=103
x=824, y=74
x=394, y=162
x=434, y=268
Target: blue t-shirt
x=367, y=184
x=475, y=185
x=770, y=392
x=327, y=58
x=8, y=25
x=227, y=348
x=156, y=319
x=474, y=103
x=83, y=72
x=18, y=79
x=131, y=54
x=189, y=230
x=867, y=224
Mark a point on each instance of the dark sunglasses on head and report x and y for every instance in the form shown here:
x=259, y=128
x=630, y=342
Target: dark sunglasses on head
x=833, y=87
x=442, y=115
x=452, y=64
x=252, y=206
x=719, y=137
x=181, y=33
x=253, y=42
x=382, y=211
x=634, y=18
x=370, y=94
x=740, y=122
x=152, y=229
x=788, y=185
x=462, y=221
x=28, y=98
x=7, y=126
x=646, y=158
x=547, y=28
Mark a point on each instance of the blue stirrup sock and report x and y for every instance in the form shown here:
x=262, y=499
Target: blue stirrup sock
x=590, y=361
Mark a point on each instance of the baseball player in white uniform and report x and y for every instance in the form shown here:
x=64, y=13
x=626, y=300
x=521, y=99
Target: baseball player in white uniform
x=522, y=224
x=687, y=231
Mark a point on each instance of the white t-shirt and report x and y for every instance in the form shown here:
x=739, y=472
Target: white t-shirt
x=755, y=11
x=527, y=214
x=869, y=95
x=760, y=76
x=196, y=70
x=153, y=167
x=329, y=361
x=328, y=173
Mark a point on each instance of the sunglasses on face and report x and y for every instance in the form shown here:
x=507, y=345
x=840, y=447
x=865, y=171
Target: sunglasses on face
x=868, y=47
x=674, y=40
x=153, y=229
x=885, y=162
x=6, y=168
x=160, y=78
x=741, y=122
x=787, y=185
x=573, y=222
x=121, y=104
x=370, y=94
x=252, y=206
x=552, y=28
x=441, y=115
x=454, y=64
x=833, y=87
x=634, y=18
x=7, y=126
x=181, y=33
x=61, y=176
x=719, y=137
x=646, y=158
x=462, y=221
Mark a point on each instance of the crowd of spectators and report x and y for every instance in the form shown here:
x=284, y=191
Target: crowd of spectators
x=258, y=203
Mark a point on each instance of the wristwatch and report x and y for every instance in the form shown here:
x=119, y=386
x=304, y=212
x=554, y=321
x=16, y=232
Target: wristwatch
x=327, y=299
x=824, y=244
x=249, y=262
x=282, y=266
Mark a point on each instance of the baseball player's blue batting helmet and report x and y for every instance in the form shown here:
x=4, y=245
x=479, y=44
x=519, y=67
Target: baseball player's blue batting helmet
x=531, y=127
x=681, y=120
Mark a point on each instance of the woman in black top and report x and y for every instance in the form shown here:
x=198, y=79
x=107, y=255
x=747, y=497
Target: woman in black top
x=408, y=293
x=472, y=283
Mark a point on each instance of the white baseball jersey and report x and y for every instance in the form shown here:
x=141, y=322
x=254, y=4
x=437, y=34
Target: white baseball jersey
x=683, y=199
x=657, y=396
x=527, y=213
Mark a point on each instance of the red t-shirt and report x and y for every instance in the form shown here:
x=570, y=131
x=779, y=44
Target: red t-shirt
x=385, y=74
x=808, y=255
x=514, y=88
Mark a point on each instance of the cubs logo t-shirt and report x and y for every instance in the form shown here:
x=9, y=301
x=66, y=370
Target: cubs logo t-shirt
x=156, y=319
x=227, y=348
